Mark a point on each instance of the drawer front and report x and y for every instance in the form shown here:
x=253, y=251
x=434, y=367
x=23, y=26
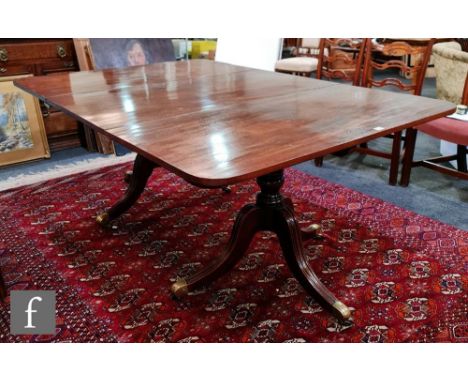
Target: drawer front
x=59, y=123
x=56, y=67
x=57, y=50
x=43, y=57
x=14, y=70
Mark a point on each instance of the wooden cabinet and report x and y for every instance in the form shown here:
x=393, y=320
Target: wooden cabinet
x=43, y=57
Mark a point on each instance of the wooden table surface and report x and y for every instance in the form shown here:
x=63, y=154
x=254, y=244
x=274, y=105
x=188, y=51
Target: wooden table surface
x=216, y=124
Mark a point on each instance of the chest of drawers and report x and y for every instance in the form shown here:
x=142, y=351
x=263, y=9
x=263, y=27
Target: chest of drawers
x=42, y=57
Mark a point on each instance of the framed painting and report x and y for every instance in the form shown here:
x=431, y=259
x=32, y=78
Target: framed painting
x=22, y=132
x=125, y=52
x=105, y=53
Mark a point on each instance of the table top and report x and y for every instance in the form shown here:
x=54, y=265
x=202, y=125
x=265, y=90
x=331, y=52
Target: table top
x=216, y=124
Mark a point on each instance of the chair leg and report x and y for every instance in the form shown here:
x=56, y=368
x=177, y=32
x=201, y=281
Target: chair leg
x=318, y=162
x=461, y=158
x=395, y=160
x=408, y=157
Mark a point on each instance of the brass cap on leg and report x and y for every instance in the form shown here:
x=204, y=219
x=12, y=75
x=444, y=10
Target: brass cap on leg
x=103, y=219
x=313, y=227
x=343, y=309
x=313, y=231
x=179, y=288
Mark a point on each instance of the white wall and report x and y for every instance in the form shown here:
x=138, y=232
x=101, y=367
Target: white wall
x=258, y=53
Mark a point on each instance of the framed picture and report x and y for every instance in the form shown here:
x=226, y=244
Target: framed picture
x=22, y=133
x=124, y=52
x=105, y=53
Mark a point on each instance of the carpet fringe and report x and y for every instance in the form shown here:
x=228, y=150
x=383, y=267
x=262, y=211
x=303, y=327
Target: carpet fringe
x=59, y=170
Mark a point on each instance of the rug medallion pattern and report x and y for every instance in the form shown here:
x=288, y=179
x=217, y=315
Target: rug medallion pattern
x=403, y=275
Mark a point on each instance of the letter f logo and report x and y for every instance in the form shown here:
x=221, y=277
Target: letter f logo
x=30, y=311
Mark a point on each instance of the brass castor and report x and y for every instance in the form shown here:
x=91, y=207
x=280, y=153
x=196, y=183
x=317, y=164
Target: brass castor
x=103, y=219
x=313, y=228
x=343, y=309
x=314, y=231
x=227, y=189
x=179, y=288
x=128, y=176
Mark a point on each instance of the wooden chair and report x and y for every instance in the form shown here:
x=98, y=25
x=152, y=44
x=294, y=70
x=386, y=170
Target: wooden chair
x=340, y=59
x=394, y=53
x=305, y=59
x=447, y=129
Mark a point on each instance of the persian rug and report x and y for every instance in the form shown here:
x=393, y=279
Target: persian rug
x=403, y=275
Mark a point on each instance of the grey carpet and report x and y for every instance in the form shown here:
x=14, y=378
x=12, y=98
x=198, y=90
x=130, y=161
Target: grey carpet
x=62, y=158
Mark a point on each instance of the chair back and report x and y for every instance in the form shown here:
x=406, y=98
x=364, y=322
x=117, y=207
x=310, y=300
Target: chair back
x=341, y=58
x=310, y=43
x=383, y=57
x=308, y=47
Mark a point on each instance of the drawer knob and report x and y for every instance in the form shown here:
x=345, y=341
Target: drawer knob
x=61, y=52
x=3, y=70
x=3, y=55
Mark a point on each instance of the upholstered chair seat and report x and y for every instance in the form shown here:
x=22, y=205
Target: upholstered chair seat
x=447, y=129
x=451, y=66
x=304, y=60
x=297, y=64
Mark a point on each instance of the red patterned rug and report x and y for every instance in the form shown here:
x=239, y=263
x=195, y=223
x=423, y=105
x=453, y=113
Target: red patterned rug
x=404, y=275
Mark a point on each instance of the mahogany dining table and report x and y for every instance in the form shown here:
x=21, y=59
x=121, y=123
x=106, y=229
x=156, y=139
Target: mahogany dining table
x=216, y=124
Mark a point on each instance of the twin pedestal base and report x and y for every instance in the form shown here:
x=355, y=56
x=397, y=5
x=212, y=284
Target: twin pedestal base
x=271, y=212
